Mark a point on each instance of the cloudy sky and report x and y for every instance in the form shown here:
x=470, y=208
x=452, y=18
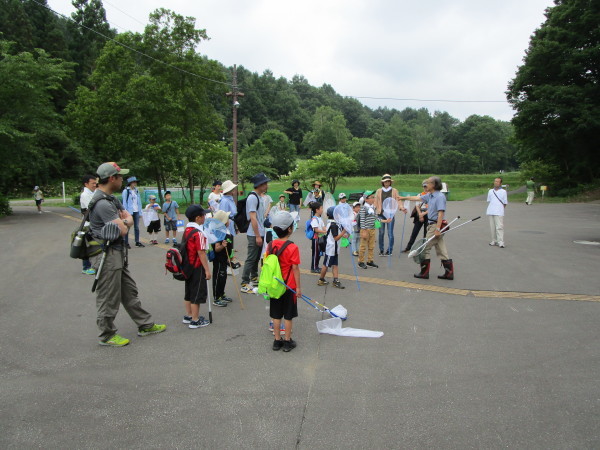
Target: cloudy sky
x=461, y=50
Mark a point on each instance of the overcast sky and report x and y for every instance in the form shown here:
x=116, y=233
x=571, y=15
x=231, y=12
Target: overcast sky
x=429, y=50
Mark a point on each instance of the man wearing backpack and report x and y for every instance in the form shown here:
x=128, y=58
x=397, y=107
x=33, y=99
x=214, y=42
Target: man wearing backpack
x=288, y=255
x=255, y=213
x=115, y=285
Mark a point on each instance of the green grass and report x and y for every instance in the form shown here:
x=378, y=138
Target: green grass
x=461, y=187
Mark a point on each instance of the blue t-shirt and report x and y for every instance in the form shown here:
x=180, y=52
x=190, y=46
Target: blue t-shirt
x=253, y=204
x=436, y=201
x=172, y=209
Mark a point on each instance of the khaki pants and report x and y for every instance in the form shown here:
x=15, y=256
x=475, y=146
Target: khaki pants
x=367, y=244
x=497, y=229
x=438, y=243
x=116, y=287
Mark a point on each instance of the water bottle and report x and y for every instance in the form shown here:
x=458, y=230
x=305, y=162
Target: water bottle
x=76, y=245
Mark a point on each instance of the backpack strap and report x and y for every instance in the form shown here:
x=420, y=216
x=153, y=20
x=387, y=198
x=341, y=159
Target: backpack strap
x=278, y=252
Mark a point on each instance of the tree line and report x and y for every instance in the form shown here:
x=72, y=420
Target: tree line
x=76, y=93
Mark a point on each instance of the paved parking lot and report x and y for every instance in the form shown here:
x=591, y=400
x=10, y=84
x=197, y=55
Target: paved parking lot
x=505, y=356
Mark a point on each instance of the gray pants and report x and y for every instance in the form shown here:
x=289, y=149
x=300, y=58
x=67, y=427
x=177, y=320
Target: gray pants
x=116, y=287
x=251, y=264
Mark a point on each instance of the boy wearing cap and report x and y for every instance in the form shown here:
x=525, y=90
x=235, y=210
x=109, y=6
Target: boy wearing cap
x=133, y=204
x=152, y=210
x=255, y=213
x=170, y=209
x=285, y=307
x=196, y=264
x=115, y=286
x=221, y=262
x=281, y=206
x=332, y=250
x=367, y=217
x=342, y=198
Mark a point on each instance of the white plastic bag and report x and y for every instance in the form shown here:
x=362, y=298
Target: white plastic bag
x=334, y=326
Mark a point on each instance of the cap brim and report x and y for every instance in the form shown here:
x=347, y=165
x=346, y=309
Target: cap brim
x=124, y=172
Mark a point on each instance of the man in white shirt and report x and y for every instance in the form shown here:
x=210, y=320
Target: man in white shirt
x=90, y=183
x=214, y=198
x=497, y=200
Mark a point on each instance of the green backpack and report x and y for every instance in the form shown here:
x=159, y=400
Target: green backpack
x=267, y=284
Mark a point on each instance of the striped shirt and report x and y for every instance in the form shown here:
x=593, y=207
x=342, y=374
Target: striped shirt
x=367, y=217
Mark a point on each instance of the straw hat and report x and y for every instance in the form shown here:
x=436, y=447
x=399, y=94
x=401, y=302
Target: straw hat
x=222, y=216
x=386, y=177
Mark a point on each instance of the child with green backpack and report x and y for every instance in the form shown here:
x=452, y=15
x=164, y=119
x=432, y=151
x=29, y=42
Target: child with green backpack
x=282, y=260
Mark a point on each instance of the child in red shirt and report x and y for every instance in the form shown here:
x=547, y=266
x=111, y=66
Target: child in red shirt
x=196, y=267
x=286, y=306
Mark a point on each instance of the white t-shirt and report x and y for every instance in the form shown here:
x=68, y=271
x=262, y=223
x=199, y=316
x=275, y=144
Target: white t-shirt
x=496, y=204
x=332, y=246
x=152, y=212
x=213, y=200
x=85, y=198
x=317, y=222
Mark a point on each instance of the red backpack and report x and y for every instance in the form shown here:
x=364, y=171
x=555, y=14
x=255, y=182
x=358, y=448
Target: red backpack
x=176, y=262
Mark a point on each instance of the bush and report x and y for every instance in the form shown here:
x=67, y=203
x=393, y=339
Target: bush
x=5, y=209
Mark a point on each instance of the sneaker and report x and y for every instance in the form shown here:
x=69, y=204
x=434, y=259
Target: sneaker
x=186, y=319
x=277, y=344
x=493, y=243
x=406, y=250
x=271, y=326
x=322, y=282
x=174, y=241
x=220, y=302
x=138, y=244
x=89, y=271
x=246, y=288
x=201, y=322
x=39, y=212
x=315, y=271
x=354, y=253
x=382, y=254
x=166, y=240
x=115, y=341
x=338, y=285
x=235, y=265
x=501, y=244
x=388, y=253
x=288, y=346
x=128, y=246
x=227, y=299
x=372, y=264
x=152, y=330
x=362, y=265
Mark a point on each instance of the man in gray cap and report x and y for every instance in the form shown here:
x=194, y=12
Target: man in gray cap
x=255, y=213
x=115, y=285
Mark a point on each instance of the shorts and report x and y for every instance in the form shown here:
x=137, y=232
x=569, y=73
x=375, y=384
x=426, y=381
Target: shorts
x=284, y=306
x=196, y=289
x=38, y=202
x=154, y=226
x=170, y=225
x=330, y=261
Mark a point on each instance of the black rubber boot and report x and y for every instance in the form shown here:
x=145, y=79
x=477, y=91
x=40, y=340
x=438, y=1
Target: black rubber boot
x=424, y=270
x=449, y=270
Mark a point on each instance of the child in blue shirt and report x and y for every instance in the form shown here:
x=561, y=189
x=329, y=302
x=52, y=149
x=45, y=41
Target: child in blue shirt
x=170, y=209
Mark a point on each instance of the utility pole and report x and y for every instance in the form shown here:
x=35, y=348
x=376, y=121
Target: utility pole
x=235, y=93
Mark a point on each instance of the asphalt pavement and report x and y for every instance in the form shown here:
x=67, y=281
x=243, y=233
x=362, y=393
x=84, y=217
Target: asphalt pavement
x=505, y=356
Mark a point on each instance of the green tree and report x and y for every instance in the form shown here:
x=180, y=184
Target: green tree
x=330, y=167
x=329, y=132
x=254, y=160
x=397, y=136
x=556, y=92
x=33, y=143
x=277, y=145
x=370, y=155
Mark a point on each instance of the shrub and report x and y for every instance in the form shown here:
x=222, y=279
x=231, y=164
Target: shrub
x=5, y=209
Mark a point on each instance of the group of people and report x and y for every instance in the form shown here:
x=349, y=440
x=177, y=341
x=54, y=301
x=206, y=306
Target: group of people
x=115, y=285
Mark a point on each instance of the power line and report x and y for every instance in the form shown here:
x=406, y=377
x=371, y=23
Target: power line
x=430, y=100
x=133, y=49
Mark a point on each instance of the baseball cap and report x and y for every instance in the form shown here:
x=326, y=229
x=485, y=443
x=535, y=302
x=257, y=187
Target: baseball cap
x=367, y=194
x=152, y=197
x=109, y=169
x=194, y=211
x=355, y=204
x=282, y=219
x=342, y=195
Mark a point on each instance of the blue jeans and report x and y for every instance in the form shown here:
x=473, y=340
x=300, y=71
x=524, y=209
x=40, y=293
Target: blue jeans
x=136, y=228
x=390, y=233
x=297, y=209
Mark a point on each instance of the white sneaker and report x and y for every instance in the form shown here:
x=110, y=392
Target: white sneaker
x=501, y=244
x=493, y=243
